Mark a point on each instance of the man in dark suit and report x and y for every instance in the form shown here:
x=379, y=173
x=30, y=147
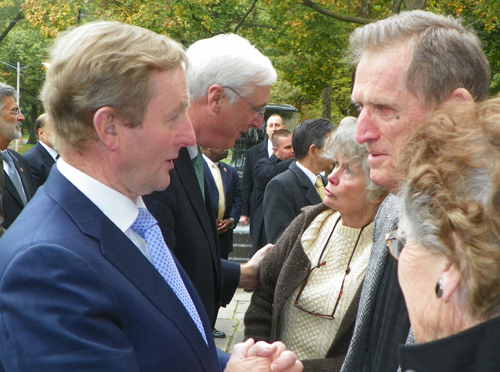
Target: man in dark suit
x=42, y=156
x=265, y=170
x=228, y=208
x=222, y=107
x=225, y=194
x=91, y=285
x=301, y=185
x=18, y=183
x=252, y=156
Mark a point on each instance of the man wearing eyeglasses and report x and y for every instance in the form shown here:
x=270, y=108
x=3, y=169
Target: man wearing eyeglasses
x=18, y=183
x=229, y=82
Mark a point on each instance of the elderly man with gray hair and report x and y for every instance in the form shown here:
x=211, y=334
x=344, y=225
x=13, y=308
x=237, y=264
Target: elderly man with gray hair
x=407, y=66
x=229, y=82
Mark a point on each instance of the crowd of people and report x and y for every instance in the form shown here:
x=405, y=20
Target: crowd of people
x=375, y=241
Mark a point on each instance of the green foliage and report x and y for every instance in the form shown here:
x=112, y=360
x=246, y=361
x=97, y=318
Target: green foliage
x=305, y=46
x=21, y=39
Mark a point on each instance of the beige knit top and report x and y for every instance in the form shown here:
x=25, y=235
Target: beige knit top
x=307, y=335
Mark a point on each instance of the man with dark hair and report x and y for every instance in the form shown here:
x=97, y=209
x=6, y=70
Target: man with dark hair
x=265, y=170
x=406, y=66
x=18, y=182
x=42, y=156
x=301, y=185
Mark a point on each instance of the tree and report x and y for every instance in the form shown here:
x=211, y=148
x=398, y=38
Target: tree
x=21, y=39
x=306, y=39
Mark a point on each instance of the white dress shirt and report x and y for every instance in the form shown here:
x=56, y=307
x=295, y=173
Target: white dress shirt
x=107, y=199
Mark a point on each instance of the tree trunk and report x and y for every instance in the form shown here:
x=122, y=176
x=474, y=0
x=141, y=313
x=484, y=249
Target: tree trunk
x=326, y=102
x=415, y=4
x=365, y=9
x=11, y=25
x=33, y=116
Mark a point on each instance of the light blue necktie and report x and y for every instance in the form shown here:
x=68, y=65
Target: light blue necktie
x=15, y=177
x=147, y=227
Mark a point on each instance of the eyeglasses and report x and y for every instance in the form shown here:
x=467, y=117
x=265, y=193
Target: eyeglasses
x=15, y=112
x=319, y=265
x=260, y=111
x=324, y=316
x=394, y=243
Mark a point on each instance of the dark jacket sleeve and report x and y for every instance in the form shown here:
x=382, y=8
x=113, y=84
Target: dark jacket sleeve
x=265, y=170
x=279, y=208
x=237, y=199
x=246, y=185
x=258, y=318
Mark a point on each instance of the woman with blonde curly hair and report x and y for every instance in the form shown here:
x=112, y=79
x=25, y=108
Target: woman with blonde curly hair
x=448, y=240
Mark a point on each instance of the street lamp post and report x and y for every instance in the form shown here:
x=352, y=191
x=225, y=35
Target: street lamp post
x=18, y=79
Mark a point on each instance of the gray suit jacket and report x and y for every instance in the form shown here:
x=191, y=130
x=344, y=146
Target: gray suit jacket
x=382, y=322
x=285, y=196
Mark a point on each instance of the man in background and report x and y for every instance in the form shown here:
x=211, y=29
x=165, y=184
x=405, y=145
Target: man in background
x=301, y=184
x=42, y=156
x=18, y=182
x=224, y=187
x=252, y=156
x=265, y=170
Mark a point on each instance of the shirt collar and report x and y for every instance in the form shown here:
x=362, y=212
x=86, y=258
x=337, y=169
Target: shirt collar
x=49, y=149
x=104, y=197
x=307, y=172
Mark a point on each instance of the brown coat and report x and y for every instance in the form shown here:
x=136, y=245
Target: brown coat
x=284, y=268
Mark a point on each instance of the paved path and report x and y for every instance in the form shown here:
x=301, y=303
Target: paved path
x=230, y=321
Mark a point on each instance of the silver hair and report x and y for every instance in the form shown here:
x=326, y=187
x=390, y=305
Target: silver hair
x=343, y=143
x=6, y=91
x=446, y=55
x=228, y=60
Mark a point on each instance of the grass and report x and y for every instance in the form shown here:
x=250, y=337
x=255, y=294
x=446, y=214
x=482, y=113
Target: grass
x=22, y=147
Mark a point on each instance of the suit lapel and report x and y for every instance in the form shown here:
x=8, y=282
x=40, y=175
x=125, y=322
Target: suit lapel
x=23, y=173
x=10, y=188
x=187, y=176
x=311, y=193
x=117, y=248
x=224, y=175
x=47, y=158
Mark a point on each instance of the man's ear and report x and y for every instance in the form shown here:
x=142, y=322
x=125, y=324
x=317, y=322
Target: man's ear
x=106, y=122
x=214, y=97
x=313, y=150
x=460, y=94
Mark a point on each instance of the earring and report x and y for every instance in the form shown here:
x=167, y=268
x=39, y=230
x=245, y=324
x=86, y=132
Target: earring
x=439, y=288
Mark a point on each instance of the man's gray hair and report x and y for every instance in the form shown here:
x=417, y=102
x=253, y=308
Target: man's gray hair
x=6, y=91
x=446, y=55
x=227, y=60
